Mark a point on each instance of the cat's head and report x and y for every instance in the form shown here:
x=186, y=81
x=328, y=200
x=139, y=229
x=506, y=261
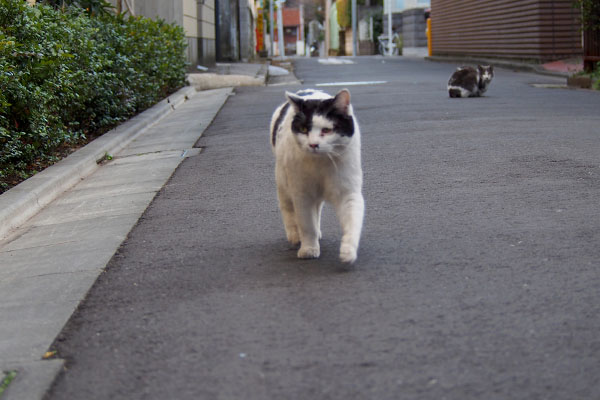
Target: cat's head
x=322, y=124
x=486, y=73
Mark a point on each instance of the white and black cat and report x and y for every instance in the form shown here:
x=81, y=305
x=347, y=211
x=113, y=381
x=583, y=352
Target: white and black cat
x=469, y=81
x=316, y=141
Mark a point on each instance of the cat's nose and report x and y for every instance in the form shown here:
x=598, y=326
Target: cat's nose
x=313, y=145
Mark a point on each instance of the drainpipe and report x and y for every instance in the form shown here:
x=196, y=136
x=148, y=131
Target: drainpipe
x=389, y=2
x=271, y=29
x=327, y=28
x=354, y=29
x=280, y=38
x=217, y=32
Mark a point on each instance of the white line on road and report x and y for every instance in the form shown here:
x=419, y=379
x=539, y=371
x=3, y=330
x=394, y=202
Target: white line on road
x=351, y=83
x=335, y=61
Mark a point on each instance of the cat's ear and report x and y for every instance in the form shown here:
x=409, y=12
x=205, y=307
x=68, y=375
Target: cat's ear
x=342, y=101
x=294, y=100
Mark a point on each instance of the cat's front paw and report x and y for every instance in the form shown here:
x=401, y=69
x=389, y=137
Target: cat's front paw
x=347, y=253
x=309, y=252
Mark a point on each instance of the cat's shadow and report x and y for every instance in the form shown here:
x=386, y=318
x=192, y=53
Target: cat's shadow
x=328, y=263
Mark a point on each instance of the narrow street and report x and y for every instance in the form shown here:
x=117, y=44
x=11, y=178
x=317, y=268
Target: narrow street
x=477, y=275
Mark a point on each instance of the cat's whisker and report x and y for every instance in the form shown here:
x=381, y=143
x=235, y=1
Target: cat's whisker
x=332, y=161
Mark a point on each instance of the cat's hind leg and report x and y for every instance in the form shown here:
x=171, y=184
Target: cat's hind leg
x=350, y=212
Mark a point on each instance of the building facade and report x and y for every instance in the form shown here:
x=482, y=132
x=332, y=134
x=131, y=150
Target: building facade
x=532, y=30
x=235, y=28
x=197, y=17
x=409, y=20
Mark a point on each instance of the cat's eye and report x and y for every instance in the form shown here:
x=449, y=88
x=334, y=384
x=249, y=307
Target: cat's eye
x=326, y=130
x=303, y=129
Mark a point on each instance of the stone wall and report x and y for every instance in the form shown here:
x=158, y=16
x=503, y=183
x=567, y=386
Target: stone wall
x=413, y=28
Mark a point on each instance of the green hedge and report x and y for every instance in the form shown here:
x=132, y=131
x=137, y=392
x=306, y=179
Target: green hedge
x=64, y=75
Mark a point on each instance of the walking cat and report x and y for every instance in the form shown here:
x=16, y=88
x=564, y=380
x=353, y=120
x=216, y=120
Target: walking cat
x=469, y=81
x=316, y=141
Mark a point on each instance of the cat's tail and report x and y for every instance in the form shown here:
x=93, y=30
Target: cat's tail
x=454, y=92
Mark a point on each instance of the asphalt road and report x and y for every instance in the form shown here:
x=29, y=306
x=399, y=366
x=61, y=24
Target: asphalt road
x=477, y=278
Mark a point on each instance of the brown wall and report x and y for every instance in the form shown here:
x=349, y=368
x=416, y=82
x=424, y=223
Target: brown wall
x=591, y=52
x=539, y=30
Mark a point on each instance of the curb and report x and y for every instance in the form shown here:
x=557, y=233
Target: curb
x=208, y=81
x=263, y=72
x=506, y=64
x=282, y=80
x=25, y=200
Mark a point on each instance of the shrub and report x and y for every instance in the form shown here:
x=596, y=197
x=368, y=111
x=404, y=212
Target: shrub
x=64, y=75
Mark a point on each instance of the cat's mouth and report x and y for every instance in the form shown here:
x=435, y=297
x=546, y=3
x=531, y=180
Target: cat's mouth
x=316, y=151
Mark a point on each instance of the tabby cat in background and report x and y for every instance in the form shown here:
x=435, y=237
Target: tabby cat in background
x=469, y=81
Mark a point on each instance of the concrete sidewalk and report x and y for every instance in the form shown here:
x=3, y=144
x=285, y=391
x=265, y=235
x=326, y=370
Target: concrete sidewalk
x=59, y=229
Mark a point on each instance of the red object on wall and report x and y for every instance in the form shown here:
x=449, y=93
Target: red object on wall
x=292, y=30
x=260, y=39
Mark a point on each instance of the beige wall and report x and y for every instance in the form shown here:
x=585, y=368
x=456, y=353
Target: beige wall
x=190, y=18
x=207, y=19
x=196, y=17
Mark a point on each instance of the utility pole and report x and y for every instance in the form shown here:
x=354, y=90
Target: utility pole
x=327, y=27
x=301, y=37
x=389, y=3
x=280, y=38
x=354, y=29
x=271, y=29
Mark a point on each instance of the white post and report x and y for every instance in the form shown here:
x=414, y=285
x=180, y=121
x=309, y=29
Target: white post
x=271, y=29
x=300, y=44
x=389, y=27
x=354, y=29
x=280, y=38
x=265, y=34
x=327, y=28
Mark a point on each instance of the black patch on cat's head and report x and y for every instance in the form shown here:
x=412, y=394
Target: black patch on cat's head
x=483, y=68
x=486, y=68
x=302, y=122
x=335, y=109
x=483, y=83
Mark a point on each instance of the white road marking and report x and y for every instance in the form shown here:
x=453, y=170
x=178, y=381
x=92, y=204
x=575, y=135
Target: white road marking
x=351, y=83
x=335, y=61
